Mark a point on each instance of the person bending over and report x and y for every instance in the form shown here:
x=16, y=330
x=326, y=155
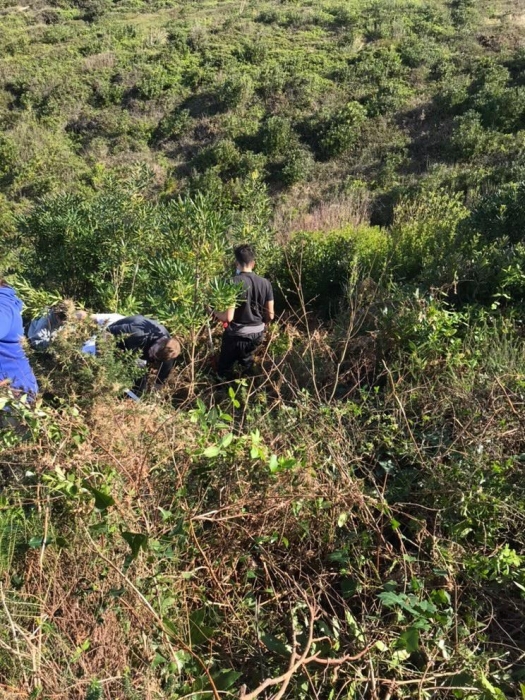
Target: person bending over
x=42, y=330
x=103, y=321
x=15, y=370
x=148, y=337
x=247, y=320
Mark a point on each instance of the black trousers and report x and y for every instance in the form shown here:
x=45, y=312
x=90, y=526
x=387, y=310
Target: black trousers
x=238, y=348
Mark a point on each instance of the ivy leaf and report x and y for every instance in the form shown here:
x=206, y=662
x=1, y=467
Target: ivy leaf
x=275, y=645
x=409, y=639
x=158, y=660
x=391, y=599
x=273, y=464
x=226, y=440
x=166, y=514
x=136, y=541
x=103, y=500
x=225, y=678
x=199, y=631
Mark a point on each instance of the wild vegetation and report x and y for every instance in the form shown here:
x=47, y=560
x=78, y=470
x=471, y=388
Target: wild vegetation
x=349, y=523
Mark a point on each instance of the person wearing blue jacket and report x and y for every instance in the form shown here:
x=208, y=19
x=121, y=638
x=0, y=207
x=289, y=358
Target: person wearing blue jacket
x=15, y=370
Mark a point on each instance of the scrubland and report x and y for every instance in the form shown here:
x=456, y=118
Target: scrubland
x=347, y=524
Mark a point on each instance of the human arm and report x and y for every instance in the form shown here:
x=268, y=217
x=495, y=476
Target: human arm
x=268, y=308
x=164, y=372
x=224, y=316
x=269, y=312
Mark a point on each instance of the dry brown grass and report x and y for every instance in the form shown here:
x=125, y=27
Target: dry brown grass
x=350, y=210
x=255, y=551
x=100, y=61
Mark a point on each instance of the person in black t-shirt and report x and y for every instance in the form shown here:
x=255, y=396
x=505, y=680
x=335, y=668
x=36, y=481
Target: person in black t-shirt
x=151, y=340
x=246, y=321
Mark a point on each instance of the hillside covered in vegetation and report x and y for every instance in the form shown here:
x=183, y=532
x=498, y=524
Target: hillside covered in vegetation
x=348, y=523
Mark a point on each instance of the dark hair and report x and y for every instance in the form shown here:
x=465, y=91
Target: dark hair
x=169, y=350
x=244, y=254
x=61, y=310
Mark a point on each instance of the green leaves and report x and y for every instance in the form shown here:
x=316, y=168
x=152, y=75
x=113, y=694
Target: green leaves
x=103, y=499
x=275, y=645
x=200, y=632
x=276, y=465
x=409, y=639
x=215, y=450
x=136, y=541
x=420, y=610
x=212, y=451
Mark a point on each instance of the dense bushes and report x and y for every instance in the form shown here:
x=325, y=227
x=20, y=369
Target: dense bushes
x=339, y=81
x=424, y=238
x=198, y=527
x=501, y=214
x=360, y=501
x=121, y=248
x=341, y=131
x=319, y=269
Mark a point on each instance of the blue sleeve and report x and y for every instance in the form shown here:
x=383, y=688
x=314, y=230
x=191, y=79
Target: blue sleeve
x=6, y=319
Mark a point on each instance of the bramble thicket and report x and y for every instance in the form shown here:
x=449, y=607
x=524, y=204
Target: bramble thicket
x=348, y=524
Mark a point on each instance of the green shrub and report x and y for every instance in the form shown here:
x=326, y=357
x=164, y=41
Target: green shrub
x=297, y=165
x=500, y=104
x=471, y=140
x=317, y=267
x=416, y=51
x=380, y=79
x=154, y=81
x=10, y=243
x=341, y=131
x=93, y=10
x=8, y=158
x=235, y=91
x=501, y=215
x=453, y=93
x=272, y=79
x=95, y=246
x=464, y=12
x=276, y=135
x=424, y=241
x=269, y=17
x=114, y=246
x=38, y=160
x=343, y=17
x=255, y=52
x=224, y=156
x=173, y=125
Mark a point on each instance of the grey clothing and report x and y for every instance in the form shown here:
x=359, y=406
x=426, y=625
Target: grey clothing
x=42, y=330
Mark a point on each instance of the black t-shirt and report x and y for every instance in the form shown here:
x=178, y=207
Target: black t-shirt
x=141, y=333
x=249, y=314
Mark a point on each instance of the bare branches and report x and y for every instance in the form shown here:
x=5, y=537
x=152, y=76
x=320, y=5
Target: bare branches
x=299, y=660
